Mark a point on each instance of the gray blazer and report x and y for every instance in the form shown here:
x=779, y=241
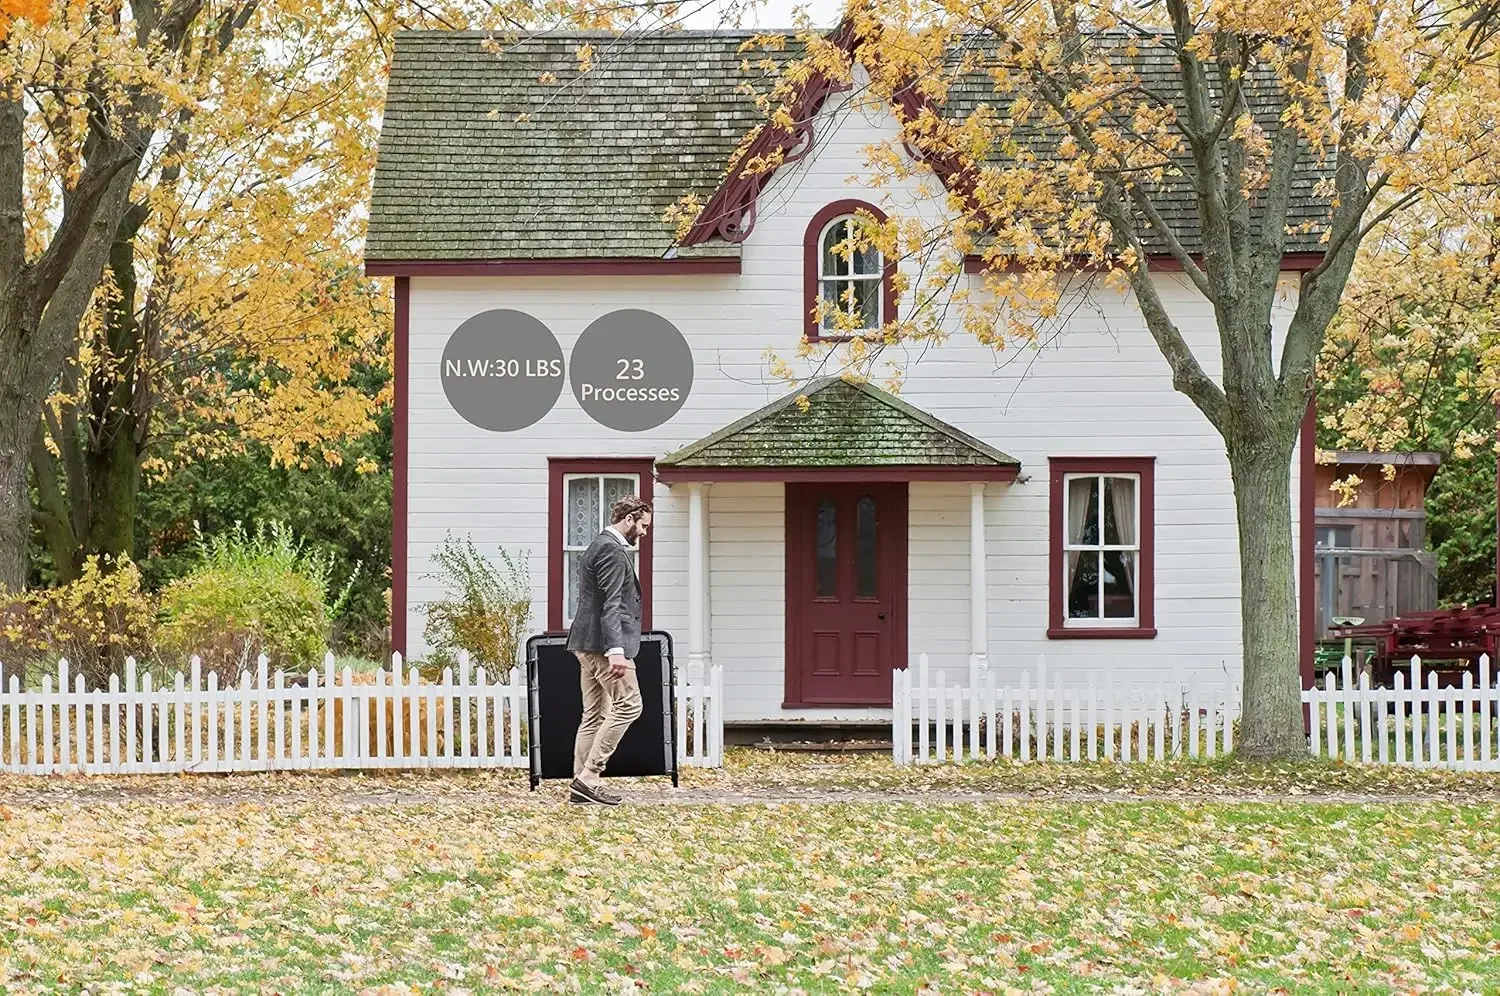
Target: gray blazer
x=609, y=600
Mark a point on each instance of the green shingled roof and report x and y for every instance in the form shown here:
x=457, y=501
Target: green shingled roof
x=590, y=173
x=1154, y=67
x=845, y=425
x=603, y=153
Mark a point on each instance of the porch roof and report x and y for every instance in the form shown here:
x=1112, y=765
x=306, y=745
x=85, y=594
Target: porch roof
x=847, y=430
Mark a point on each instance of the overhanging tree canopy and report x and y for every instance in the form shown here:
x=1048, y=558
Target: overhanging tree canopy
x=1221, y=135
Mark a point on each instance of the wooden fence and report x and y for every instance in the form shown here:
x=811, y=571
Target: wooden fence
x=374, y=719
x=1412, y=723
x=934, y=721
x=1371, y=584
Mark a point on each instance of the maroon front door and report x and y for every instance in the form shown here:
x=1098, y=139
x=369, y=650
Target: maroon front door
x=845, y=591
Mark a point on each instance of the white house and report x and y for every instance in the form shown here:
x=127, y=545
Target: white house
x=1057, y=499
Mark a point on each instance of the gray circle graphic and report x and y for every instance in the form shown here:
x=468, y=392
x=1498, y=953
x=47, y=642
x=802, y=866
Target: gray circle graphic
x=631, y=370
x=502, y=370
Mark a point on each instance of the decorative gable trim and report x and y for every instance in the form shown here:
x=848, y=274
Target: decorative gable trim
x=730, y=211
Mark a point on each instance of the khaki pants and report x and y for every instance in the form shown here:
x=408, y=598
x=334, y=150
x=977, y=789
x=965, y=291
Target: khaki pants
x=610, y=705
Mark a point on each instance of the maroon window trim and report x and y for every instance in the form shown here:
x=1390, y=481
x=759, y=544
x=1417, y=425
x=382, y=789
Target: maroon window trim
x=399, y=476
x=557, y=467
x=1057, y=597
x=812, y=264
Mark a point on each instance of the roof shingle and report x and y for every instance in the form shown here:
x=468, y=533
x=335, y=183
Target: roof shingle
x=483, y=156
x=845, y=425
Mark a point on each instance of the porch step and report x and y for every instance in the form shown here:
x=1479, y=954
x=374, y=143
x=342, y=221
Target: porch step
x=826, y=747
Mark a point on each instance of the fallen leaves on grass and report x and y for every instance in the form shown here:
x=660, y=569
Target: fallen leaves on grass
x=777, y=898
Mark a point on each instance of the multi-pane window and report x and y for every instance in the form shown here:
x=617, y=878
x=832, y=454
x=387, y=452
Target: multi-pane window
x=850, y=275
x=586, y=502
x=1101, y=549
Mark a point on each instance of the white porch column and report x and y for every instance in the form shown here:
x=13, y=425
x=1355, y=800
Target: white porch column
x=978, y=618
x=697, y=583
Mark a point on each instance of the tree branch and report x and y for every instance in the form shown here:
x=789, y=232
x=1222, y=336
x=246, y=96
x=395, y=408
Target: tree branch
x=1187, y=374
x=1208, y=167
x=1052, y=91
x=12, y=192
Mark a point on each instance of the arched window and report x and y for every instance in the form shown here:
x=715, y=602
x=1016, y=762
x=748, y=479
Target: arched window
x=847, y=274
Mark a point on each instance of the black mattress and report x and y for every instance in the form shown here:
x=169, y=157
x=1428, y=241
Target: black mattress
x=649, y=747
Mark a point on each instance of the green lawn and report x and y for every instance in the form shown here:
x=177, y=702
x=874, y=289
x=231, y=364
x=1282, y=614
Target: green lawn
x=482, y=891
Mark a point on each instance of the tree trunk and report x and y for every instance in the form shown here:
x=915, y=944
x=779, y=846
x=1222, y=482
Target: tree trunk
x=112, y=459
x=1271, y=705
x=18, y=418
x=35, y=337
x=52, y=514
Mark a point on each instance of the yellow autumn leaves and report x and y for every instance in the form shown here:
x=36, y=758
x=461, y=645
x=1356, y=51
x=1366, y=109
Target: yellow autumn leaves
x=476, y=886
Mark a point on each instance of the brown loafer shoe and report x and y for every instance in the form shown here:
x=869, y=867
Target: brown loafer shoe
x=598, y=795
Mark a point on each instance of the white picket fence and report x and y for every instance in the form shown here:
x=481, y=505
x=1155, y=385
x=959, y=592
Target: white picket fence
x=934, y=721
x=1413, y=723
x=276, y=722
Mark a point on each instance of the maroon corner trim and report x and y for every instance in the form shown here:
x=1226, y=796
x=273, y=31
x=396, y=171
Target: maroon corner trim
x=557, y=467
x=796, y=579
x=1497, y=511
x=873, y=474
x=812, y=264
x=399, y=471
x=1292, y=262
x=561, y=267
x=399, y=476
x=1306, y=551
x=1144, y=466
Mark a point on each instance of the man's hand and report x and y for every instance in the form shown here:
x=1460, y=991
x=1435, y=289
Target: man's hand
x=617, y=665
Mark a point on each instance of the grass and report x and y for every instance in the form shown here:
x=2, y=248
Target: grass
x=468, y=881
x=755, y=898
x=1188, y=779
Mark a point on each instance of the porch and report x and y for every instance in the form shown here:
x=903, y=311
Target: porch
x=810, y=512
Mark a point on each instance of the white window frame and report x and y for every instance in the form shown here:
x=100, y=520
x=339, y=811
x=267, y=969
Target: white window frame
x=1101, y=622
x=849, y=279
x=634, y=552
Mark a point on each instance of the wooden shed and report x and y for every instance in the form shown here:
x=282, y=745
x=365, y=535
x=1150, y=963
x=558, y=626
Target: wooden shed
x=1374, y=547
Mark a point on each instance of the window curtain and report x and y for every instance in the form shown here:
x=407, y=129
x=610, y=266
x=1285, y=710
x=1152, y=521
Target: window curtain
x=1080, y=489
x=1122, y=502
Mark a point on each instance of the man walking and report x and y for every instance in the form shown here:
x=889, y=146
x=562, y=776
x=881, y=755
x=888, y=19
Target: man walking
x=606, y=637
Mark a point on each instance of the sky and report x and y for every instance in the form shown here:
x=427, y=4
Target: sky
x=767, y=13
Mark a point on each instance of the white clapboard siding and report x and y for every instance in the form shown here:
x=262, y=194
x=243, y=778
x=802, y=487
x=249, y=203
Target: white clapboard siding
x=277, y=722
x=1029, y=717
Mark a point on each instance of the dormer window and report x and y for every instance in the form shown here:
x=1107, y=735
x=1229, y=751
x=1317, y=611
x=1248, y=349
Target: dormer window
x=849, y=278
x=849, y=288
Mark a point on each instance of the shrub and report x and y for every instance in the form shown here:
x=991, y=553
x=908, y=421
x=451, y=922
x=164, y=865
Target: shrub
x=95, y=621
x=487, y=613
x=250, y=595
